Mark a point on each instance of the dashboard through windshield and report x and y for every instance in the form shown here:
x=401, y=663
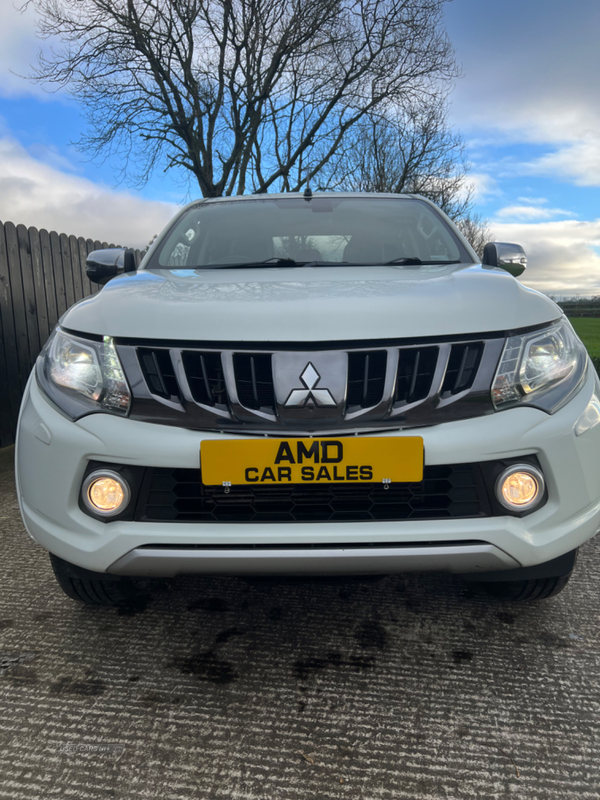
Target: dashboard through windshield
x=321, y=231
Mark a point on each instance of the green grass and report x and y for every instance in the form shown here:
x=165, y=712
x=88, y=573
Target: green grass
x=588, y=330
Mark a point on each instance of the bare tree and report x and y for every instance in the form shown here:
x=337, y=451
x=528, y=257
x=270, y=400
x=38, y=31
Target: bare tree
x=246, y=95
x=415, y=151
x=476, y=231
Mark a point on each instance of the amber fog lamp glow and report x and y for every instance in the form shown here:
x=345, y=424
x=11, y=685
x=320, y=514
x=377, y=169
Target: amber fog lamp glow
x=520, y=487
x=105, y=493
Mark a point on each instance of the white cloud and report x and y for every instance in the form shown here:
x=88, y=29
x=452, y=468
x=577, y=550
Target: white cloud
x=578, y=161
x=19, y=47
x=561, y=254
x=38, y=194
x=483, y=185
x=531, y=212
x=531, y=76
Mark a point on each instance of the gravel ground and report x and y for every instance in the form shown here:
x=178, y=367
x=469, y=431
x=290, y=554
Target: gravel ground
x=406, y=687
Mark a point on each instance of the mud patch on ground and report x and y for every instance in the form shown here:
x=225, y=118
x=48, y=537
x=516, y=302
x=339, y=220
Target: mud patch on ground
x=212, y=604
x=92, y=687
x=371, y=634
x=306, y=667
x=206, y=667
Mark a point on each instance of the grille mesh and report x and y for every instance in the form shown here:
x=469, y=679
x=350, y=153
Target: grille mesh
x=178, y=495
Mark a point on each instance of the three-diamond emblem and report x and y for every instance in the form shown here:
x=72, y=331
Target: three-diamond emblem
x=300, y=397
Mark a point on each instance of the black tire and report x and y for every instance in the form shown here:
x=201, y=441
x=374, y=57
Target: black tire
x=537, y=589
x=94, y=588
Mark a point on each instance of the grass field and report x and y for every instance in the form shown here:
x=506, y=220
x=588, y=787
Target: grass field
x=588, y=330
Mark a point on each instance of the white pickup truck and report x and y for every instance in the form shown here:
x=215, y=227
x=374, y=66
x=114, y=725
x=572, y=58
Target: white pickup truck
x=317, y=384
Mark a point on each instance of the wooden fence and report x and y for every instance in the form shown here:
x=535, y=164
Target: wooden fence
x=41, y=275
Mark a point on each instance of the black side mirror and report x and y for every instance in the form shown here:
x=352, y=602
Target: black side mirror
x=510, y=257
x=102, y=265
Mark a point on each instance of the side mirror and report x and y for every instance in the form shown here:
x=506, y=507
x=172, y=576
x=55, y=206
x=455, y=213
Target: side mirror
x=510, y=257
x=102, y=265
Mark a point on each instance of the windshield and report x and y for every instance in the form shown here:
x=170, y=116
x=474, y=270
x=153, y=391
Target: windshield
x=294, y=232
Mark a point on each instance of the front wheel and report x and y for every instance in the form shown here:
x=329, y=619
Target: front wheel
x=537, y=589
x=95, y=588
x=528, y=583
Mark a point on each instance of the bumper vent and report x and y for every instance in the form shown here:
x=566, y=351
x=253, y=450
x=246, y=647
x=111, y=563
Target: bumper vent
x=178, y=495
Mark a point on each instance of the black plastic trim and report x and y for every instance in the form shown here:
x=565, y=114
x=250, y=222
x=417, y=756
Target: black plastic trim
x=555, y=568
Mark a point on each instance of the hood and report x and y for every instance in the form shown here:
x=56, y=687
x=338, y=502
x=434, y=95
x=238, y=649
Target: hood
x=310, y=304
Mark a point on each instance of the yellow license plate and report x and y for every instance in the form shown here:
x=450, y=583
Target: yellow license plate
x=396, y=459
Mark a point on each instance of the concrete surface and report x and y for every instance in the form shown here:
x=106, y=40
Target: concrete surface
x=409, y=687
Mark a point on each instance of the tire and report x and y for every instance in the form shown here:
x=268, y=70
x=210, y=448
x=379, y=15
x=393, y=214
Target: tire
x=95, y=588
x=517, y=591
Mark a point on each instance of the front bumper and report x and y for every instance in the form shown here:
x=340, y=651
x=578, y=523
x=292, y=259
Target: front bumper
x=53, y=453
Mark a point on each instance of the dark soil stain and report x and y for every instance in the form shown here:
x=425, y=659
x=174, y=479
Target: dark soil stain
x=153, y=698
x=461, y=655
x=6, y=623
x=301, y=706
x=134, y=605
x=550, y=639
x=506, y=618
x=42, y=616
x=214, y=604
x=206, y=667
x=89, y=688
x=23, y=674
x=308, y=666
x=12, y=660
x=225, y=636
x=371, y=634
x=275, y=614
x=133, y=678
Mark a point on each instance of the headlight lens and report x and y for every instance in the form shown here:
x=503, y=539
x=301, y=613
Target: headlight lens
x=543, y=369
x=81, y=375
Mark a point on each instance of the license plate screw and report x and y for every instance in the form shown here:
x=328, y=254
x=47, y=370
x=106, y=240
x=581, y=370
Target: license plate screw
x=386, y=483
x=226, y=486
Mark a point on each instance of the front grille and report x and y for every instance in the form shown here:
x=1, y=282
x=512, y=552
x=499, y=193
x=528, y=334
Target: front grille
x=158, y=372
x=254, y=380
x=204, y=373
x=238, y=388
x=416, y=370
x=178, y=495
x=462, y=367
x=366, y=378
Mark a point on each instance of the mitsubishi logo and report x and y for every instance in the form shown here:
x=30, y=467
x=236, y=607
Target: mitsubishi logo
x=300, y=397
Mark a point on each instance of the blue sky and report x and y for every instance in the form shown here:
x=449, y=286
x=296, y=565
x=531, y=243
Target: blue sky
x=527, y=106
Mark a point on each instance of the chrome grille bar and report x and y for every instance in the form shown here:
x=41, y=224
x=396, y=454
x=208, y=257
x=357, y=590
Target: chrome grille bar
x=396, y=386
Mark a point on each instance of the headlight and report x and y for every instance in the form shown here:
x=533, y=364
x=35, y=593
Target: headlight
x=82, y=375
x=542, y=369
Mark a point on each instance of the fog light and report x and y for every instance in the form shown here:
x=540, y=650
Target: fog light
x=105, y=493
x=520, y=487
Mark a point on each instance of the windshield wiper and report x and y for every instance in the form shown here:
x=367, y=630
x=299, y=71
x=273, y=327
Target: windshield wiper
x=279, y=262
x=275, y=261
x=413, y=261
